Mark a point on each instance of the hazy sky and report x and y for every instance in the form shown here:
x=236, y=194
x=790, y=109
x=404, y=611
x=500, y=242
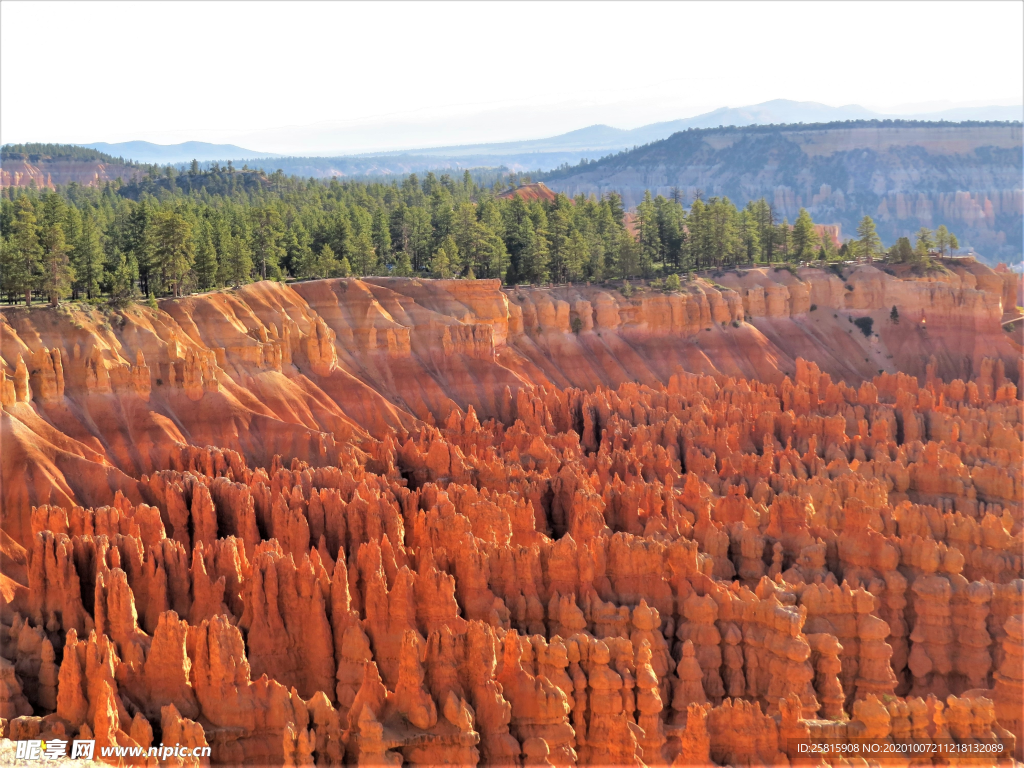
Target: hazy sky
x=324, y=77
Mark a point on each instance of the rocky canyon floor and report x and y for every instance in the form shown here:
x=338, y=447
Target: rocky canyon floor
x=397, y=521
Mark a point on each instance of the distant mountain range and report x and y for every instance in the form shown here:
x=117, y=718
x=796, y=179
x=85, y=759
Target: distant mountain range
x=534, y=154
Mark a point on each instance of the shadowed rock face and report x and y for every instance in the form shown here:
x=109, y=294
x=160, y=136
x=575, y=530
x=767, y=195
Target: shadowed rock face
x=389, y=520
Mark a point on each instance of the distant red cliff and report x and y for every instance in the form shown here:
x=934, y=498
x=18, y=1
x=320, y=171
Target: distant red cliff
x=48, y=172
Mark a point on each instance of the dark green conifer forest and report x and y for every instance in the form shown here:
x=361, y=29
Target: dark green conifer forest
x=172, y=233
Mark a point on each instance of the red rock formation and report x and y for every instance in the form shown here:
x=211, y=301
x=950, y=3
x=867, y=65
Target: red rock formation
x=460, y=562
x=47, y=172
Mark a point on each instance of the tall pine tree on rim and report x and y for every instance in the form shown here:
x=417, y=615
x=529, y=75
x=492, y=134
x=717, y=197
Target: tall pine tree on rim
x=172, y=249
x=57, y=274
x=88, y=258
x=868, y=243
x=26, y=252
x=805, y=240
x=206, y=257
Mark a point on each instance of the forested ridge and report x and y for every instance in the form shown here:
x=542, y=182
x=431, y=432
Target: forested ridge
x=904, y=174
x=33, y=153
x=174, y=233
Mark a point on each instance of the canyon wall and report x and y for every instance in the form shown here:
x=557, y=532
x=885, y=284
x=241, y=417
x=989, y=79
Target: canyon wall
x=299, y=370
x=394, y=520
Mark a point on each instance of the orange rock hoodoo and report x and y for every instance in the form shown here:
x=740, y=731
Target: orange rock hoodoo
x=383, y=522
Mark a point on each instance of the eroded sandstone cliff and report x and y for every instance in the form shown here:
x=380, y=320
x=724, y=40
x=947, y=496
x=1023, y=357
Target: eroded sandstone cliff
x=385, y=521
x=47, y=173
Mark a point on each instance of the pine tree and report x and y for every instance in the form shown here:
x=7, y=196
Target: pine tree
x=138, y=244
x=381, y=235
x=764, y=218
x=596, y=265
x=722, y=231
x=902, y=252
x=750, y=234
x=236, y=257
x=648, y=236
x=420, y=237
x=472, y=237
x=54, y=214
x=26, y=250
x=296, y=243
x=57, y=274
x=326, y=263
x=671, y=234
x=894, y=316
x=447, y=254
x=628, y=261
x=364, y=259
x=399, y=224
x=534, y=259
x=518, y=236
x=559, y=228
x=266, y=236
x=206, y=257
x=805, y=239
x=828, y=250
x=305, y=263
x=172, y=250
x=576, y=255
x=222, y=241
x=942, y=239
x=698, y=239
x=783, y=240
x=497, y=263
x=71, y=223
x=87, y=259
x=615, y=206
x=403, y=265
x=925, y=241
x=868, y=243
x=442, y=216
x=338, y=233
x=124, y=273
x=6, y=264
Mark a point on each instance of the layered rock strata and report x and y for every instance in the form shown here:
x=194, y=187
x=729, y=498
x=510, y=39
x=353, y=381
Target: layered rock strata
x=700, y=569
